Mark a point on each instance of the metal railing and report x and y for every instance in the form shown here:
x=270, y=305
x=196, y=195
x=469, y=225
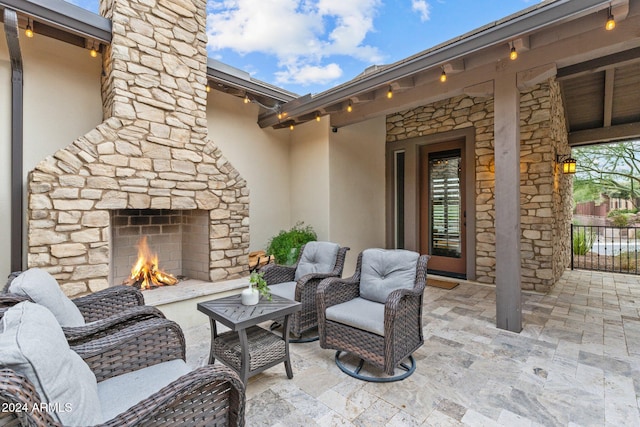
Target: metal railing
x=604, y=248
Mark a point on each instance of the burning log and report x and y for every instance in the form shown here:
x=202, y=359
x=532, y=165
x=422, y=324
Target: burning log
x=145, y=274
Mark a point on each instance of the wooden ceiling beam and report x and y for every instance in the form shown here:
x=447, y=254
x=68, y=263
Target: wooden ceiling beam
x=609, y=79
x=605, y=134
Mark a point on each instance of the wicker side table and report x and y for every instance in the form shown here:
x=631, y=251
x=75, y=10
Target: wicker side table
x=248, y=348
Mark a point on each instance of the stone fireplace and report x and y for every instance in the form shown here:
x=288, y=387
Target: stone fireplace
x=150, y=158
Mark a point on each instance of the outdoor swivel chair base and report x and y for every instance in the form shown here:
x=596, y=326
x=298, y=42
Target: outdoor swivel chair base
x=293, y=339
x=355, y=373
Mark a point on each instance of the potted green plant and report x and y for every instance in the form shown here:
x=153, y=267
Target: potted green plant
x=285, y=246
x=257, y=286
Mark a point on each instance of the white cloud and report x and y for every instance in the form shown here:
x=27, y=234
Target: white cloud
x=423, y=9
x=301, y=34
x=308, y=74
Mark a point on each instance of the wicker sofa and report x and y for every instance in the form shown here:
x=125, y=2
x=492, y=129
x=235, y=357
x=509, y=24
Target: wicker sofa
x=139, y=374
x=376, y=314
x=299, y=282
x=84, y=318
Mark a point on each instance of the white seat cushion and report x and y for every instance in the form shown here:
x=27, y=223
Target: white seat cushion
x=42, y=288
x=384, y=271
x=359, y=313
x=285, y=290
x=120, y=393
x=317, y=257
x=33, y=344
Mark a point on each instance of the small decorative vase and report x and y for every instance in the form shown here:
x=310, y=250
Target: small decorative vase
x=250, y=296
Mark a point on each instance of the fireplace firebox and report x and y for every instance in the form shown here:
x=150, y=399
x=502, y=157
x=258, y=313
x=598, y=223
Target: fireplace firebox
x=180, y=238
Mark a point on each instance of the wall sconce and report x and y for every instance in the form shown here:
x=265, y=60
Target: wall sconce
x=568, y=163
x=611, y=23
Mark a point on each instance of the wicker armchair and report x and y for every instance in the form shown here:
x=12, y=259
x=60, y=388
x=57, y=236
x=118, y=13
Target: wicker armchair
x=375, y=315
x=104, y=311
x=212, y=395
x=300, y=281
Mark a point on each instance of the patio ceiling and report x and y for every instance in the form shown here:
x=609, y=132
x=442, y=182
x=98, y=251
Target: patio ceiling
x=601, y=98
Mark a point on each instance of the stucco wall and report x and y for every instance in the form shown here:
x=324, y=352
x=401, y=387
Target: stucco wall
x=61, y=101
x=309, y=176
x=62, y=96
x=262, y=158
x=357, y=181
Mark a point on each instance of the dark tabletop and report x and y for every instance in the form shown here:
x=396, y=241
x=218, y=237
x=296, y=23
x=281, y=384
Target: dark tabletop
x=232, y=313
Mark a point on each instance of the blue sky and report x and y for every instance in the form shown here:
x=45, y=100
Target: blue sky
x=309, y=46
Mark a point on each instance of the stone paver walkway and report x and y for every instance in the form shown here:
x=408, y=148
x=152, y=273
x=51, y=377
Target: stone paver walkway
x=575, y=363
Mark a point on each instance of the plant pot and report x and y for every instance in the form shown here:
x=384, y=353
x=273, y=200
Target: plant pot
x=250, y=296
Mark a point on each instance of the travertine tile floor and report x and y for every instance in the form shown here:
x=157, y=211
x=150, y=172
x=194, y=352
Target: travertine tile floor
x=575, y=363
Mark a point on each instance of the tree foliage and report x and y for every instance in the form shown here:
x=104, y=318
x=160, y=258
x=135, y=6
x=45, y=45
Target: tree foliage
x=611, y=169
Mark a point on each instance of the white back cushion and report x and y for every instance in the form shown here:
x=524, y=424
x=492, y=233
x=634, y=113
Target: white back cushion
x=383, y=271
x=42, y=288
x=33, y=344
x=317, y=257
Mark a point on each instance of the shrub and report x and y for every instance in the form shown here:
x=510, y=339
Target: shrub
x=619, y=220
x=583, y=241
x=286, y=245
x=627, y=261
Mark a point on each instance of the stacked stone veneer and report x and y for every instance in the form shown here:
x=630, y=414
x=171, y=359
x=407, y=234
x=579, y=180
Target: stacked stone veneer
x=151, y=152
x=545, y=192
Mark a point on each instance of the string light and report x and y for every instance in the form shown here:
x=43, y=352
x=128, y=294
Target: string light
x=207, y=88
x=93, y=52
x=390, y=93
x=317, y=117
x=246, y=99
x=28, y=31
x=349, y=107
x=291, y=126
x=513, y=55
x=611, y=22
x=443, y=76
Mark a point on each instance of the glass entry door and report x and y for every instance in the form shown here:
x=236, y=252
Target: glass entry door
x=442, y=211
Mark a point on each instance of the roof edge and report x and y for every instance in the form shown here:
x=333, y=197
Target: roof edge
x=524, y=22
x=64, y=15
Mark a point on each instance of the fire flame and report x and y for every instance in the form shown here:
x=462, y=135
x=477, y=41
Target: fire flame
x=145, y=273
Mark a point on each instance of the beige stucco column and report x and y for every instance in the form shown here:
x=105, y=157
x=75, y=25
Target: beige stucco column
x=507, y=189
